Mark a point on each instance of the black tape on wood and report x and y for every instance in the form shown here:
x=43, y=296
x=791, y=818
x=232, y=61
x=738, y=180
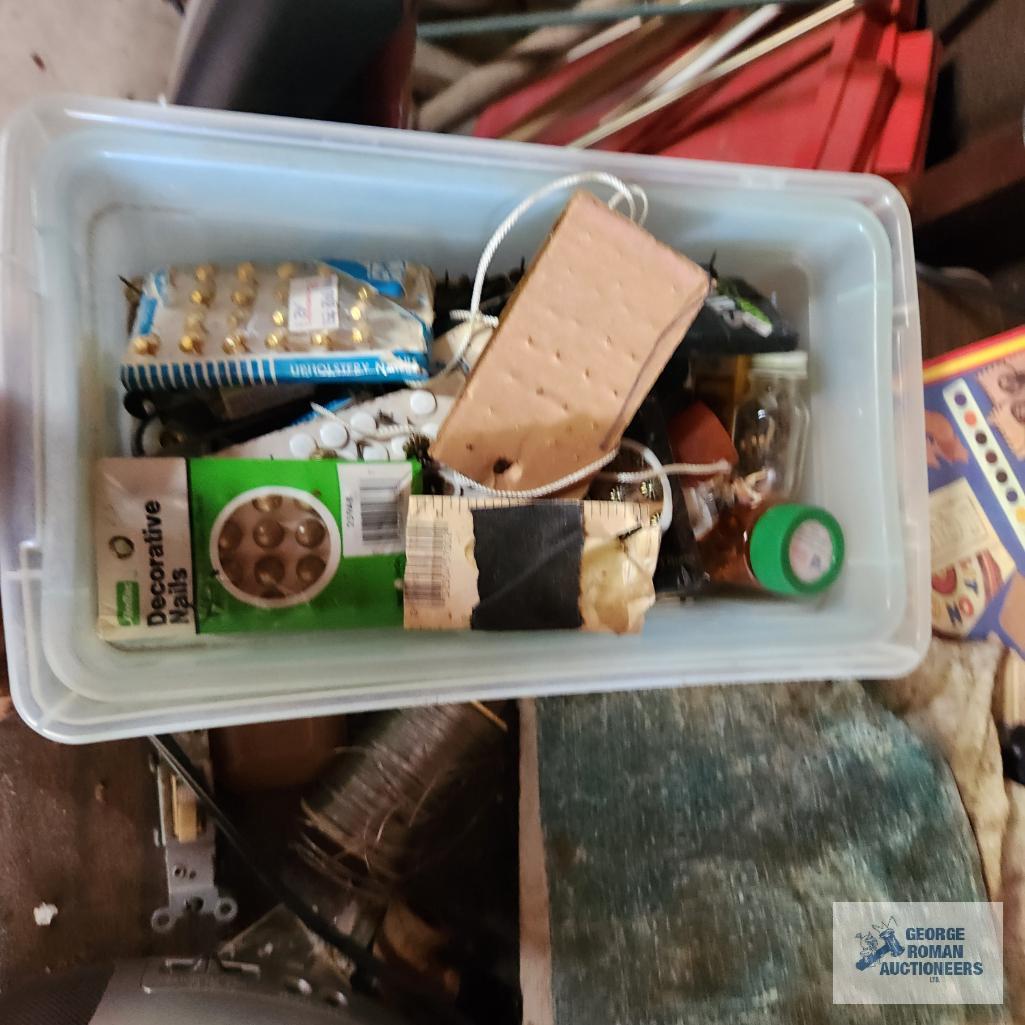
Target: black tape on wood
x=528, y=567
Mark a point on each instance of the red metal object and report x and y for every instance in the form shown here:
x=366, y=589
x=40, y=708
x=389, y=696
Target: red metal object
x=760, y=115
x=857, y=38
x=641, y=62
x=860, y=117
x=511, y=110
x=902, y=143
x=854, y=95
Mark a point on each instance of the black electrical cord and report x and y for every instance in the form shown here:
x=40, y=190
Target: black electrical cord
x=369, y=969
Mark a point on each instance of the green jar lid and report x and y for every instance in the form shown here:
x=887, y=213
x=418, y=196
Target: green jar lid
x=796, y=549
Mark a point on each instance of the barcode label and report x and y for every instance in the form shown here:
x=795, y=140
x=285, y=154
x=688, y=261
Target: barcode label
x=313, y=304
x=426, y=582
x=375, y=500
x=378, y=515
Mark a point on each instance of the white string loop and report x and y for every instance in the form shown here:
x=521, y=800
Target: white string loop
x=655, y=469
x=669, y=469
x=464, y=315
x=463, y=483
x=637, y=208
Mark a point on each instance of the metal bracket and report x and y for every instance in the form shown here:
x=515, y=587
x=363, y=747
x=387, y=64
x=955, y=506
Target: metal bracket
x=189, y=842
x=286, y=953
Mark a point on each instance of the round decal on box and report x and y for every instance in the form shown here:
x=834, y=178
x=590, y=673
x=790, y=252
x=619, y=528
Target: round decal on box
x=274, y=547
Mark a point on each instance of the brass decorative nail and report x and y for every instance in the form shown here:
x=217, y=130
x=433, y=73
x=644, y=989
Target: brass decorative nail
x=146, y=345
x=234, y=344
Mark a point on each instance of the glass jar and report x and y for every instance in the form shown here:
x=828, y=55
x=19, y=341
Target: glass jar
x=770, y=427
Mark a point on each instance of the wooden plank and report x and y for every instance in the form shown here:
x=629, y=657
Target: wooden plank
x=521, y=62
x=976, y=175
x=953, y=318
x=535, y=932
x=435, y=68
x=965, y=210
x=76, y=830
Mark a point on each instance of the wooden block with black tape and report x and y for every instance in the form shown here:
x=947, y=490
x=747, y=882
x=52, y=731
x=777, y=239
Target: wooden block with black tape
x=496, y=564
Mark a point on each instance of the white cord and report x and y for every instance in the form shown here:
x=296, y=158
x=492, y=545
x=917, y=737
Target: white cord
x=746, y=489
x=669, y=469
x=637, y=206
x=656, y=469
x=662, y=472
x=463, y=316
x=462, y=482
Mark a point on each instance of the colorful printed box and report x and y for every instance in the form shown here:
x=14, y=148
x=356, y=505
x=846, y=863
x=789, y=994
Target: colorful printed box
x=975, y=437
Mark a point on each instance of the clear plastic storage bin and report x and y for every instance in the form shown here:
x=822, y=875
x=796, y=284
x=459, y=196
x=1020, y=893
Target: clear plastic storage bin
x=93, y=189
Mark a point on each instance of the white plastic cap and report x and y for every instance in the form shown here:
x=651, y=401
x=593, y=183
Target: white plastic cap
x=422, y=403
x=301, y=445
x=786, y=364
x=376, y=454
x=334, y=435
x=363, y=422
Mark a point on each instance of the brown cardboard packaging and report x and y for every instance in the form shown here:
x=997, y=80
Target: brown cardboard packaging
x=580, y=344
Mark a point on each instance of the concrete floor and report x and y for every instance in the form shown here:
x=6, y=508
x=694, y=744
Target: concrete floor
x=76, y=831
x=76, y=823
x=68, y=46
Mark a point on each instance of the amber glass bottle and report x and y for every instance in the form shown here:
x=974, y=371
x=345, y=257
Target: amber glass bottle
x=790, y=549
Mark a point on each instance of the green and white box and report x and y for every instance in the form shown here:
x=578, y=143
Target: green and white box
x=205, y=546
